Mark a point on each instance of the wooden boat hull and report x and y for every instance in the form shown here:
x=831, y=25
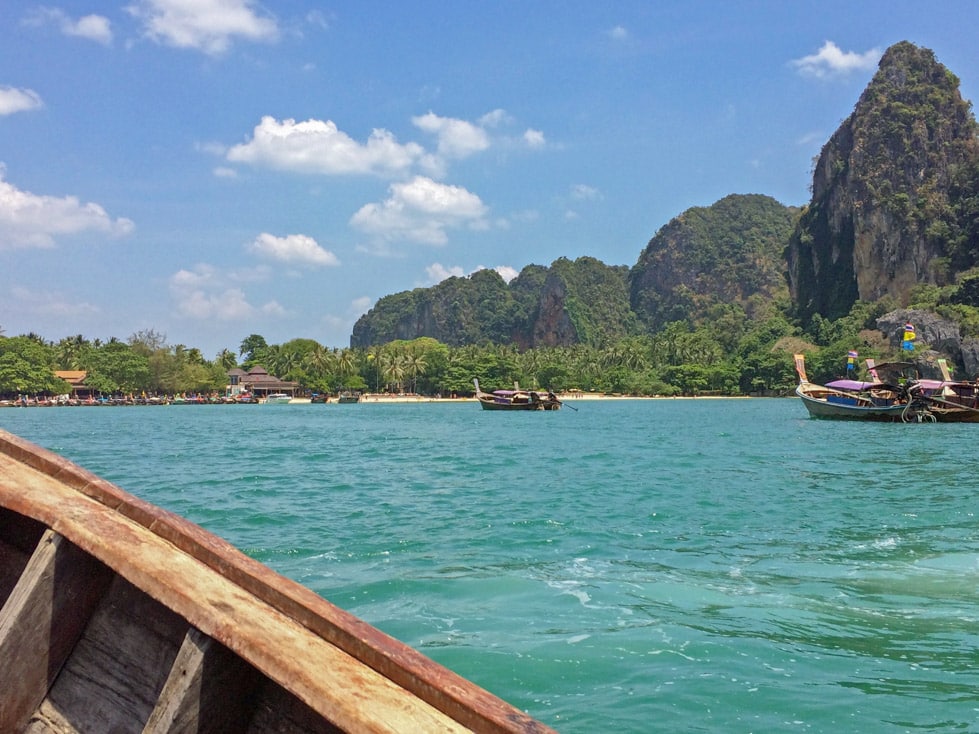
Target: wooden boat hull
x=841, y=407
x=516, y=400
x=491, y=404
x=949, y=411
x=116, y=615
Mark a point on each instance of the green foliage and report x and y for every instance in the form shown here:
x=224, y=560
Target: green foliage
x=724, y=254
x=26, y=367
x=117, y=367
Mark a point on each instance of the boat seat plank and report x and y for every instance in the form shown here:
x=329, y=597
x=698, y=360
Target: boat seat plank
x=42, y=620
x=209, y=690
x=114, y=676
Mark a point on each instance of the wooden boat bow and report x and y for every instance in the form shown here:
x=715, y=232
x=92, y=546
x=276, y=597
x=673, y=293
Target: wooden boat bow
x=118, y=615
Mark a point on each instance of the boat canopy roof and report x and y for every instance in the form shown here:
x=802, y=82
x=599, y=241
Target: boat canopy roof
x=851, y=384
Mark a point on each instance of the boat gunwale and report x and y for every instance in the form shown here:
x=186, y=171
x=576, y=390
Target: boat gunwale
x=443, y=689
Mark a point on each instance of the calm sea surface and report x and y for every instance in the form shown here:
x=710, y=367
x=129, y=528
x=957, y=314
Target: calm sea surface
x=635, y=566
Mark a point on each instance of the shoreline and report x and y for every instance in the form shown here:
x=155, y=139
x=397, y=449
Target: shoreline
x=564, y=398
x=384, y=399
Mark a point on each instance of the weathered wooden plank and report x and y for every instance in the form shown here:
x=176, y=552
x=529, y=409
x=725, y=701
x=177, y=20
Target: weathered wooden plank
x=19, y=536
x=115, y=674
x=41, y=622
x=20, y=531
x=279, y=712
x=12, y=563
x=210, y=689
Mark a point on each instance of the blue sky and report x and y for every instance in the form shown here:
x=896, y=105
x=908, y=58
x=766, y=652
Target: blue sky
x=212, y=169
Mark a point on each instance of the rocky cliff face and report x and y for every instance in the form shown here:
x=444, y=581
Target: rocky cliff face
x=552, y=325
x=940, y=336
x=882, y=211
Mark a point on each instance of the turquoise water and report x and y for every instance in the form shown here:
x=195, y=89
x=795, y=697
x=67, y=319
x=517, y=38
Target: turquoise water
x=635, y=566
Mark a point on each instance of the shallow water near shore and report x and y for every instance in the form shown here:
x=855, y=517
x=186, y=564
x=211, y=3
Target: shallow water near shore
x=635, y=566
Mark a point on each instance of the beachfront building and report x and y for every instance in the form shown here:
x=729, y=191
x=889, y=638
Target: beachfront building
x=259, y=383
x=76, y=378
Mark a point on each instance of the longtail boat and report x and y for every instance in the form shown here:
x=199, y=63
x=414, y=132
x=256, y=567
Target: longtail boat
x=517, y=399
x=118, y=616
x=842, y=400
x=895, y=394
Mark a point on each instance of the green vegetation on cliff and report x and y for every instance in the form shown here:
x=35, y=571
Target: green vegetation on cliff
x=894, y=192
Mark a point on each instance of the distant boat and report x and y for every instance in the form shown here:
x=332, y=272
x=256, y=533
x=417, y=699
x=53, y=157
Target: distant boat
x=117, y=616
x=948, y=400
x=278, y=397
x=517, y=399
x=349, y=397
x=895, y=394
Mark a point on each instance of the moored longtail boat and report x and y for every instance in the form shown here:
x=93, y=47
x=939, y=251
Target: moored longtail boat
x=517, y=399
x=116, y=615
x=879, y=402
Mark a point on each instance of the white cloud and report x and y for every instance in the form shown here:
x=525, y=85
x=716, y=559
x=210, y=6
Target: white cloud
x=204, y=293
x=457, y=139
x=583, y=192
x=29, y=220
x=506, y=272
x=421, y=210
x=18, y=100
x=317, y=146
x=93, y=27
x=830, y=60
x=205, y=25
x=51, y=304
x=618, y=33
x=438, y=272
x=96, y=28
x=294, y=248
x=225, y=172
x=495, y=118
x=534, y=138
x=361, y=305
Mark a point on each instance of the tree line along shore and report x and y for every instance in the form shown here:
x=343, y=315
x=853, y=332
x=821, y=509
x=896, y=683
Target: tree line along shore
x=720, y=359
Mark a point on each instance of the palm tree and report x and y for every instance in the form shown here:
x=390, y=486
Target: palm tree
x=394, y=368
x=375, y=356
x=70, y=351
x=227, y=359
x=344, y=363
x=415, y=365
x=320, y=360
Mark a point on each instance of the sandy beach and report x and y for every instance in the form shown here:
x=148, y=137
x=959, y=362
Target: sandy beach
x=564, y=397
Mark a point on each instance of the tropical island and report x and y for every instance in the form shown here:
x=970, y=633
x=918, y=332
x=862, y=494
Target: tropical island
x=717, y=303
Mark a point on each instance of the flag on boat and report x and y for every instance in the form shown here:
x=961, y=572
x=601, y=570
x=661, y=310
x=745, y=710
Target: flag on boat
x=851, y=360
x=907, y=339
